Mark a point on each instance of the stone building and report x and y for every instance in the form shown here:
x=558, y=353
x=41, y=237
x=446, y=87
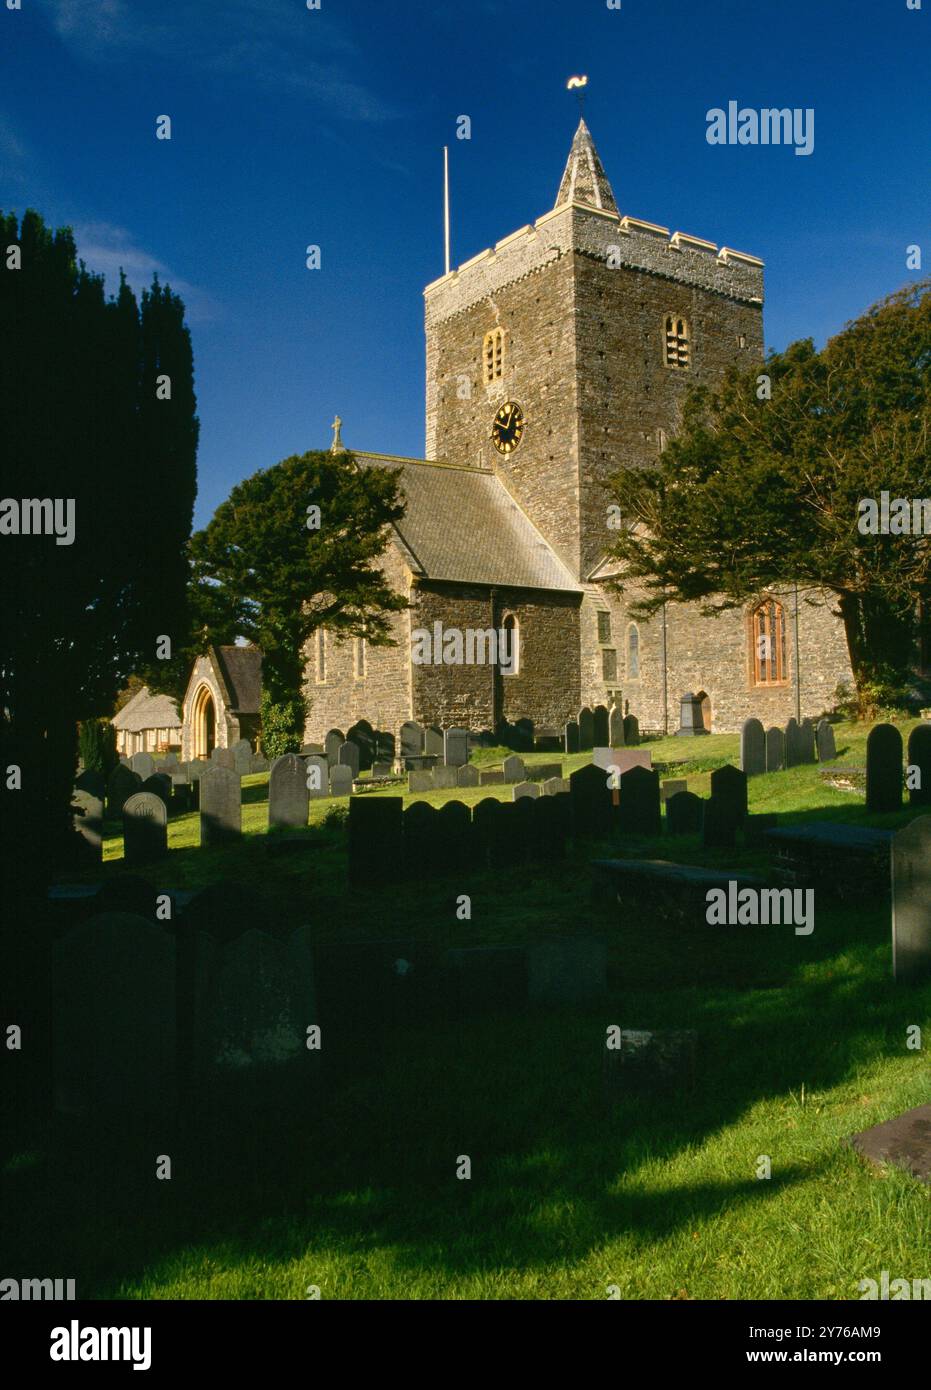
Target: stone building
x=552, y=359
x=147, y=724
x=222, y=703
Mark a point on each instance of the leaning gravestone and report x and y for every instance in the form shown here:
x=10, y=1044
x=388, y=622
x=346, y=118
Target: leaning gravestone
x=631, y=731
x=884, y=768
x=456, y=747
x=601, y=723
x=376, y=842
x=824, y=739
x=639, y=812
x=513, y=768
x=571, y=736
x=288, y=796
x=752, y=747
x=616, y=727
x=332, y=744
x=775, y=750
x=88, y=819
x=586, y=729
x=220, y=806
x=919, y=765
x=341, y=780
x=911, y=901
x=591, y=801
x=316, y=775
x=145, y=828
x=349, y=756
x=412, y=737
x=729, y=785
x=242, y=756
x=684, y=814
x=121, y=783
x=113, y=1016
x=144, y=764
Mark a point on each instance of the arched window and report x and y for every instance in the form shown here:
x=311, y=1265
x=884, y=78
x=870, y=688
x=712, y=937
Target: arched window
x=493, y=355
x=633, y=652
x=768, y=643
x=509, y=653
x=676, y=341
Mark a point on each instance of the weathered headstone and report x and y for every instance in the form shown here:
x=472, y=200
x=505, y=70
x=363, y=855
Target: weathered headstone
x=600, y=725
x=552, y=786
x=88, y=820
x=883, y=768
x=220, y=806
x=411, y=741
x=794, y=744
x=639, y=812
x=684, y=814
x=691, y=719
x=631, y=731
x=349, y=756
x=491, y=777
x=223, y=757
x=513, y=768
x=341, y=779
x=332, y=743
x=242, y=756
x=911, y=901
x=419, y=830
x=420, y=780
x=775, y=750
x=113, y=1016
x=445, y=777
x=531, y=789
x=363, y=736
x=288, y=796
x=376, y=843
x=317, y=776
x=571, y=736
x=752, y=747
x=468, y=776
x=145, y=828
x=144, y=764
x=919, y=765
x=524, y=731
x=729, y=786
x=121, y=783
x=541, y=771
x=454, y=837
x=384, y=747
x=159, y=784
x=586, y=729
x=591, y=801
x=672, y=786
x=824, y=740
x=616, y=727
x=456, y=747
x=806, y=735
x=486, y=826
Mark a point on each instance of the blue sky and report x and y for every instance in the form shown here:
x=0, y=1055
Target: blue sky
x=293, y=126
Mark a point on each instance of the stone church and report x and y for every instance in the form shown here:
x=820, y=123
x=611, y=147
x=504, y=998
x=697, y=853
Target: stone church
x=552, y=358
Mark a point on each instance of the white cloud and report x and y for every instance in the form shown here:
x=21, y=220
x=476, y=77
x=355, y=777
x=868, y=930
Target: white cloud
x=108, y=249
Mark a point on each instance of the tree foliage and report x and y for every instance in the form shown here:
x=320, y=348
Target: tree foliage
x=755, y=492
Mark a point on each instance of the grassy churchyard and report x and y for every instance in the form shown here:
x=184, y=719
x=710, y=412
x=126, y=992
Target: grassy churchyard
x=801, y=1043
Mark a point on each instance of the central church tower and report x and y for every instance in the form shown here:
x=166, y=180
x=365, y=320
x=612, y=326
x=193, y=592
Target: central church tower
x=564, y=352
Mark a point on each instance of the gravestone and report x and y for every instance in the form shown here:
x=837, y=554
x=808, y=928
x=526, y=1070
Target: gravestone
x=419, y=829
x=508, y=849
x=586, y=729
x=552, y=786
x=824, y=738
x=639, y=812
x=308, y=748
x=919, y=765
x=719, y=828
x=468, y=776
x=486, y=826
x=547, y=839
x=384, y=747
x=382, y=770
x=752, y=747
x=332, y=744
x=729, y=786
x=911, y=901
x=159, y=784
x=196, y=769
x=113, y=1017
x=541, y=771
x=376, y=840
x=456, y=747
x=223, y=757
x=775, y=750
x=445, y=777
x=531, y=789
x=349, y=756
x=363, y=736
x=684, y=814
x=513, y=768
x=412, y=737
x=491, y=777
x=591, y=801
x=288, y=796
x=220, y=806
x=806, y=736
x=454, y=838
x=672, y=786
x=794, y=744
x=420, y=780
x=145, y=828
x=571, y=736
x=615, y=727
x=341, y=780
x=523, y=729
x=622, y=758
x=144, y=764
x=884, y=768
x=259, y=764
x=121, y=783
x=600, y=725
x=93, y=782
x=87, y=820
x=691, y=719
x=631, y=731
x=317, y=776
x=242, y=756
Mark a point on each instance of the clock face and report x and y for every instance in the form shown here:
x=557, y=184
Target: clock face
x=508, y=428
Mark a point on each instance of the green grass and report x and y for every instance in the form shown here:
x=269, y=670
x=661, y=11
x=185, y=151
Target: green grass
x=802, y=1043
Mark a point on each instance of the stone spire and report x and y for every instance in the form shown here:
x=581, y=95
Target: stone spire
x=585, y=181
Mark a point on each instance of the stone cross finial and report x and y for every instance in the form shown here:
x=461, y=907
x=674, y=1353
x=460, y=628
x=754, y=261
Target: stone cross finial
x=337, y=446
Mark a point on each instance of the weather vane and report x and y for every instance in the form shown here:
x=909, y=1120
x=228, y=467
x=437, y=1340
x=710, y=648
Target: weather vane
x=578, y=84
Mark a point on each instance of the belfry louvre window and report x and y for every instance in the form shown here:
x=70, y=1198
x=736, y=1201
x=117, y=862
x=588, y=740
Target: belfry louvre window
x=493, y=355
x=768, y=634
x=676, y=339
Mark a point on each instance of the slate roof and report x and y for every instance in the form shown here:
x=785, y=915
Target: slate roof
x=147, y=711
x=462, y=525
x=241, y=668
x=584, y=179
